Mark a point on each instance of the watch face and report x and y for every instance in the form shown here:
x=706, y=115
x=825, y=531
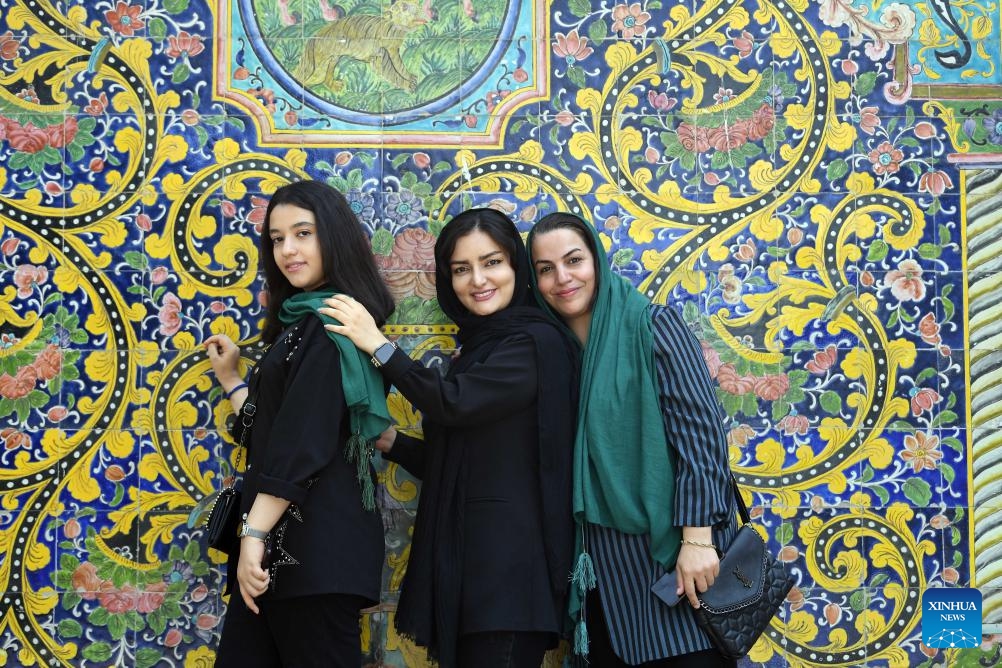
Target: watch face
x=384, y=353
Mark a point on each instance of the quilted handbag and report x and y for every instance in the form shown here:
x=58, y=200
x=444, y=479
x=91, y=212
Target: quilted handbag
x=747, y=592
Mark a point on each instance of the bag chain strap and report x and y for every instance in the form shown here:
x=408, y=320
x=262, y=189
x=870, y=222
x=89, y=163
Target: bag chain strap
x=247, y=411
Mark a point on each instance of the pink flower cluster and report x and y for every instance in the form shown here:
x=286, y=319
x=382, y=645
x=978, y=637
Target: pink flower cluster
x=90, y=586
x=28, y=138
x=46, y=366
x=768, y=388
x=728, y=136
x=410, y=268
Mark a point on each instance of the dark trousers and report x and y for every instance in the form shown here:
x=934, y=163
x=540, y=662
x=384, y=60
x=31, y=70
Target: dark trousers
x=601, y=655
x=302, y=632
x=503, y=649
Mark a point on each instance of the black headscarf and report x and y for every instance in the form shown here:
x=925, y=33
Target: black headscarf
x=430, y=599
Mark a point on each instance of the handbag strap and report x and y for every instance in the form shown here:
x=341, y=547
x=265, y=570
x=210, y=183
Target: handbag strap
x=247, y=411
x=742, y=508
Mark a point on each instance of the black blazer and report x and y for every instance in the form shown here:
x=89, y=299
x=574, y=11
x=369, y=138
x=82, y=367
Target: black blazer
x=330, y=544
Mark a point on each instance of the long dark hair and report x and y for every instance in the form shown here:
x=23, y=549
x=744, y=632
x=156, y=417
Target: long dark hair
x=502, y=231
x=347, y=258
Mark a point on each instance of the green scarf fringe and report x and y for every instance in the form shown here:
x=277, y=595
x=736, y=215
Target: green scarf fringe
x=358, y=451
x=583, y=578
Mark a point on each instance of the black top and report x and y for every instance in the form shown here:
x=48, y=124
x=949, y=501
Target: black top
x=485, y=413
x=326, y=543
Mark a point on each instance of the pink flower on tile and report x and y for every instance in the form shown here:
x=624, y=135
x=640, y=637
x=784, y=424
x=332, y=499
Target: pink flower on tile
x=26, y=138
x=921, y=451
x=49, y=362
x=935, y=183
x=629, y=21
x=661, y=101
x=923, y=400
x=20, y=384
x=85, y=581
x=152, y=598
x=886, y=159
x=744, y=44
x=27, y=277
x=906, y=282
x=117, y=600
x=822, y=360
x=732, y=383
x=794, y=423
x=124, y=19
x=772, y=387
x=170, y=315
x=9, y=46
x=184, y=44
x=693, y=139
x=571, y=47
x=869, y=121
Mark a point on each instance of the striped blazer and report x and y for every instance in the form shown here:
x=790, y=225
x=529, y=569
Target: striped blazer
x=641, y=627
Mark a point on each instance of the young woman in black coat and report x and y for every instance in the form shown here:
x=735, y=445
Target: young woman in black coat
x=491, y=552
x=300, y=493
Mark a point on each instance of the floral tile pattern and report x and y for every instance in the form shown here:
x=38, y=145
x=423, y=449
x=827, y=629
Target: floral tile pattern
x=813, y=184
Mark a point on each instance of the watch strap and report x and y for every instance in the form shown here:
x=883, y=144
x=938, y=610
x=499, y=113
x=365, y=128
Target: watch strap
x=248, y=530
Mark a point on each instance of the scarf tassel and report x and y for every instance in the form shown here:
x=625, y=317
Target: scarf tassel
x=581, y=638
x=584, y=574
x=358, y=451
x=583, y=577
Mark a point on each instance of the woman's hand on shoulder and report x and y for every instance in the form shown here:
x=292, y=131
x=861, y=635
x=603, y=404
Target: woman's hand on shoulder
x=385, y=441
x=356, y=323
x=224, y=355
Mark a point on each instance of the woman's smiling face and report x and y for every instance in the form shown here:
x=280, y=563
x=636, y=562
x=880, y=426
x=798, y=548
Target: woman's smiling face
x=482, y=275
x=565, y=272
x=293, y=232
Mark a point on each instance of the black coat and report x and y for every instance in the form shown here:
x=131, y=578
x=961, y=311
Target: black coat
x=330, y=544
x=489, y=411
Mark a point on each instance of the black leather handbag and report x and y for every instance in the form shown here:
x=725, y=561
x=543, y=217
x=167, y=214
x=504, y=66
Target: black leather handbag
x=223, y=519
x=747, y=592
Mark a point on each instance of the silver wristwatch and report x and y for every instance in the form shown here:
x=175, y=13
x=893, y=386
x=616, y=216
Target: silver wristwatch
x=247, y=530
x=383, y=353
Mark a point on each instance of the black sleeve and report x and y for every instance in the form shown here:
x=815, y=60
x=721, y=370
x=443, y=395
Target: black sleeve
x=408, y=452
x=693, y=423
x=306, y=432
x=500, y=385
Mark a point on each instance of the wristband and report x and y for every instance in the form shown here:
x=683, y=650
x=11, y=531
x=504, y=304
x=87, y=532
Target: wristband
x=239, y=386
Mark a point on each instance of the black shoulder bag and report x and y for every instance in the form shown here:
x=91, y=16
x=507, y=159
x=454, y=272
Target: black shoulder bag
x=747, y=592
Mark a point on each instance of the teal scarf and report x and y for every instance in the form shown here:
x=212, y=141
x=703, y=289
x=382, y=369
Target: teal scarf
x=624, y=474
x=361, y=383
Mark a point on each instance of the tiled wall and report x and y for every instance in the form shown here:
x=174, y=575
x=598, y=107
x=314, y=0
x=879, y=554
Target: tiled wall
x=816, y=184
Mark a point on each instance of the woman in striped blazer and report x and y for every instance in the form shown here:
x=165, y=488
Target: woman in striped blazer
x=651, y=475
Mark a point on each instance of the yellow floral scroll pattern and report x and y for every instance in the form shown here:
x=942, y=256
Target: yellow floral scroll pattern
x=91, y=542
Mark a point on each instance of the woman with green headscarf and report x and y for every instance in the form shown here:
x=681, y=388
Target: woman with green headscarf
x=311, y=546
x=651, y=483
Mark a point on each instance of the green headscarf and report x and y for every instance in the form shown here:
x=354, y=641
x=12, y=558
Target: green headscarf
x=361, y=383
x=624, y=474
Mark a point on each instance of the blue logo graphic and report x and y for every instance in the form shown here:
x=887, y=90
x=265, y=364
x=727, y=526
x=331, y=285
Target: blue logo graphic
x=951, y=617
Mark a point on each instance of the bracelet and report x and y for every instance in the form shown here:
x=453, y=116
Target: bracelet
x=240, y=386
x=711, y=546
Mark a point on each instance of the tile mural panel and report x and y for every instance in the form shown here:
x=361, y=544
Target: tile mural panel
x=815, y=184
